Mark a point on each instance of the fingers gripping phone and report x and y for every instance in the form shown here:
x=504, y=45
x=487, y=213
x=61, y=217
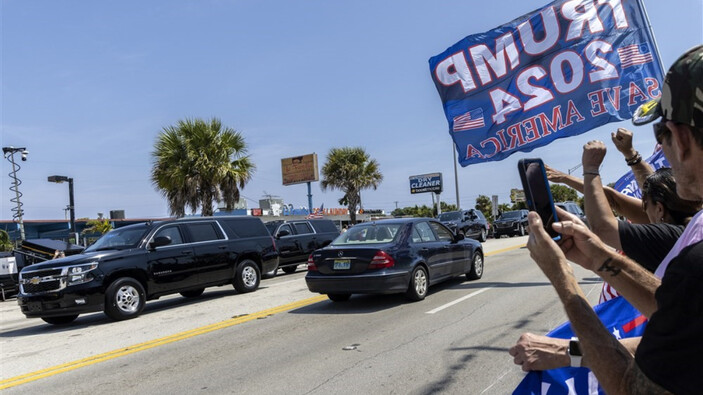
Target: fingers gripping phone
x=538, y=196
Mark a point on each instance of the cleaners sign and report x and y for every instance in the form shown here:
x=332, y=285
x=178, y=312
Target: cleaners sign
x=426, y=183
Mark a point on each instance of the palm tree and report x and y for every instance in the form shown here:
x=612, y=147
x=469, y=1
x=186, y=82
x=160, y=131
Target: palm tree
x=5, y=242
x=197, y=162
x=350, y=170
x=100, y=225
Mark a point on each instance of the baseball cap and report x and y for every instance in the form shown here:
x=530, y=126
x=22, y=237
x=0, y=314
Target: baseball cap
x=682, y=93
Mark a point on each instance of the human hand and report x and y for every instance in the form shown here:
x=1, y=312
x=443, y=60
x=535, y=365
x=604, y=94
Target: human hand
x=578, y=243
x=593, y=154
x=622, y=138
x=545, y=251
x=554, y=175
x=535, y=352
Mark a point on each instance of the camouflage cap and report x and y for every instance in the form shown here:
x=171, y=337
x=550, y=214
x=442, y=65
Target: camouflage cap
x=682, y=93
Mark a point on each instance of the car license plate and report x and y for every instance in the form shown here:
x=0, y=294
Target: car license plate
x=34, y=306
x=342, y=264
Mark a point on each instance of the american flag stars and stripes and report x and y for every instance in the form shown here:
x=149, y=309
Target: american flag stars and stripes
x=633, y=55
x=471, y=120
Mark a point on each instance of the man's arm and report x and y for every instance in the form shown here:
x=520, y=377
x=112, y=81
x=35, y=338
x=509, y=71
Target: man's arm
x=598, y=212
x=610, y=361
x=622, y=138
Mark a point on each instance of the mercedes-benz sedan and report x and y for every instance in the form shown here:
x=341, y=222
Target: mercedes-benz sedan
x=404, y=255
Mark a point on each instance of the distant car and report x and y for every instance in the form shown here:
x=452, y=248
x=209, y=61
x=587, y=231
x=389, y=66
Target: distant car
x=296, y=239
x=573, y=208
x=470, y=223
x=511, y=223
x=402, y=255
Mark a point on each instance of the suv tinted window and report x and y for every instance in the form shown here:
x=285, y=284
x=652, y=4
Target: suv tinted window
x=244, y=227
x=203, y=231
x=171, y=231
x=322, y=226
x=302, y=228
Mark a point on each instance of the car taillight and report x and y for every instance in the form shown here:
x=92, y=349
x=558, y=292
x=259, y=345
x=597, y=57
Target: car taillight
x=381, y=260
x=311, y=264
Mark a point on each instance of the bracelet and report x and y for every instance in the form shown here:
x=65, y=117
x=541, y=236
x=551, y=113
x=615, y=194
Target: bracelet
x=592, y=173
x=634, y=160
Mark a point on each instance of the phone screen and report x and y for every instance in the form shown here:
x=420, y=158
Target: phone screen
x=538, y=196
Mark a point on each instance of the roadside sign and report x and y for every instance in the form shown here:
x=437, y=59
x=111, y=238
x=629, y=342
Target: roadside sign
x=426, y=183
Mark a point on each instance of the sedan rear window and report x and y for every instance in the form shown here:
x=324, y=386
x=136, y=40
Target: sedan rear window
x=368, y=234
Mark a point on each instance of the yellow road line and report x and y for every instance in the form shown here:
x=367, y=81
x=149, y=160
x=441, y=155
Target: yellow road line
x=15, y=381
x=505, y=249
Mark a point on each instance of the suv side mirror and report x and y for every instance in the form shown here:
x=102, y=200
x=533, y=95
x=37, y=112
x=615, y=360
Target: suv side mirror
x=282, y=233
x=160, y=241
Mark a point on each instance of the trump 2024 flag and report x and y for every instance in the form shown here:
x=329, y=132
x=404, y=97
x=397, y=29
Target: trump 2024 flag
x=619, y=317
x=559, y=71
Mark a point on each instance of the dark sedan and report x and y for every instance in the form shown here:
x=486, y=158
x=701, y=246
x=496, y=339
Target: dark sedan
x=392, y=256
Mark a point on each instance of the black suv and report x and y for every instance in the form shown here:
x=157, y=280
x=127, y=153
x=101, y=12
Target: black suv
x=511, y=223
x=297, y=239
x=133, y=264
x=470, y=223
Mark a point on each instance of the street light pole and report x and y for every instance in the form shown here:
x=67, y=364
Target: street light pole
x=71, y=205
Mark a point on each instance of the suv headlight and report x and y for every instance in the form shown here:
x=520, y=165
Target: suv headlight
x=80, y=274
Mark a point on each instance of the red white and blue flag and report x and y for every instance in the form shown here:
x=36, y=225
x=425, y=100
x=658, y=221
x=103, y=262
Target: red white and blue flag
x=619, y=317
x=317, y=213
x=559, y=71
x=634, y=55
x=471, y=120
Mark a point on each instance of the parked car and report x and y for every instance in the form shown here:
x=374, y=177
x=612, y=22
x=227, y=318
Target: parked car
x=403, y=255
x=470, y=223
x=573, y=208
x=511, y=223
x=296, y=239
x=133, y=264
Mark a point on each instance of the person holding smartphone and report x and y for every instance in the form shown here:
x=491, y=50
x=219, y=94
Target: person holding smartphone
x=667, y=358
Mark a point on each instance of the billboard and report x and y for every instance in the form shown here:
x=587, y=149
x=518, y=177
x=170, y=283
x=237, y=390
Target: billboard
x=299, y=169
x=426, y=183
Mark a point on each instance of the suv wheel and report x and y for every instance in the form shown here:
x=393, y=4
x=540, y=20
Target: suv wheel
x=62, y=320
x=193, y=293
x=247, y=277
x=290, y=269
x=521, y=231
x=483, y=236
x=124, y=299
x=339, y=297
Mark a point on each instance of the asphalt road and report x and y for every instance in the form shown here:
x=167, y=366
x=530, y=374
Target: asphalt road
x=284, y=339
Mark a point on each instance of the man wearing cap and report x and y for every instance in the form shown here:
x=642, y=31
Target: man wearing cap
x=669, y=357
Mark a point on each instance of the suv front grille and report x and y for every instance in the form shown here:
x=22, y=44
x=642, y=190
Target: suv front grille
x=43, y=280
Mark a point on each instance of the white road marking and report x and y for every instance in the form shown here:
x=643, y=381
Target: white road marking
x=463, y=298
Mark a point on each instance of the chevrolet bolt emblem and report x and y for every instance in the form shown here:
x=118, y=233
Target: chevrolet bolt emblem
x=34, y=280
x=340, y=253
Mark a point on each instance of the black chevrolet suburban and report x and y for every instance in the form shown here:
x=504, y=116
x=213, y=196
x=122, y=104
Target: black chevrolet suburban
x=133, y=264
x=297, y=239
x=470, y=223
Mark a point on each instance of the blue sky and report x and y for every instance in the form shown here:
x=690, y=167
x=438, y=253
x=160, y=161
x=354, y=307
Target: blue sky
x=87, y=87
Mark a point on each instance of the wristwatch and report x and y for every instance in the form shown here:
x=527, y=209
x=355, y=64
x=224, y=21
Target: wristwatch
x=575, y=352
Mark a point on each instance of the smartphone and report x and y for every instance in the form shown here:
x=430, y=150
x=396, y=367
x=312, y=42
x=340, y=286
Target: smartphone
x=538, y=196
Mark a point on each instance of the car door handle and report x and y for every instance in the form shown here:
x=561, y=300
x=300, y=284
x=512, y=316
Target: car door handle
x=221, y=247
x=186, y=252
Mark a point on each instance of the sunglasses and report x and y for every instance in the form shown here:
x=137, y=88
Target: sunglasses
x=660, y=129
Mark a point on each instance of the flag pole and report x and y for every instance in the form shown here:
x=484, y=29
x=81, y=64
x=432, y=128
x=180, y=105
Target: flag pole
x=650, y=33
